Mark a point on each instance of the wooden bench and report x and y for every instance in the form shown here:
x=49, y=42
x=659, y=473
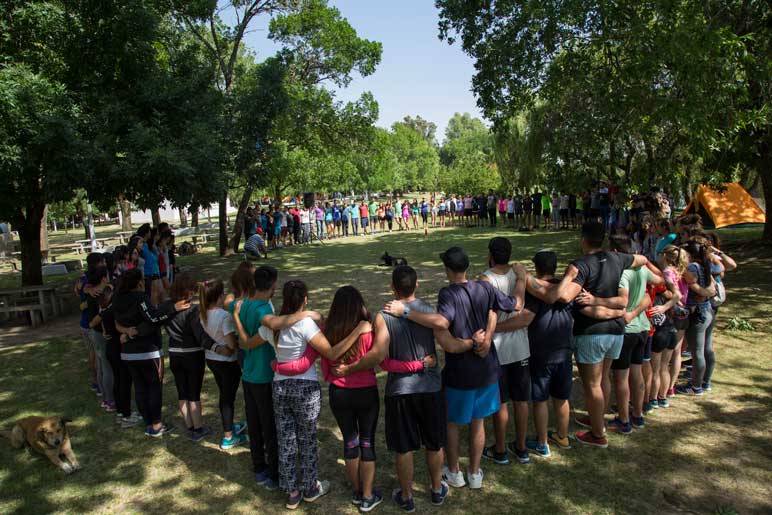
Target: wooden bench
x=34, y=312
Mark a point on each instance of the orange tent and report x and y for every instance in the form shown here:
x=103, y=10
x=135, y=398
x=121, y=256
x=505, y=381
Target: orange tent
x=722, y=208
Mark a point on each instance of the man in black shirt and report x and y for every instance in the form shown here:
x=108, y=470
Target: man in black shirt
x=597, y=338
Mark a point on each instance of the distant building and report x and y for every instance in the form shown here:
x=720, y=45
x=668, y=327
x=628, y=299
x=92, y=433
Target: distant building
x=172, y=215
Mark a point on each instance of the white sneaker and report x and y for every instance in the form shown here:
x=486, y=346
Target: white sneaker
x=475, y=480
x=454, y=479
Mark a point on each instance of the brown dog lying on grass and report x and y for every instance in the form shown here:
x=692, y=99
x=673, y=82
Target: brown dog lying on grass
x=47, y=435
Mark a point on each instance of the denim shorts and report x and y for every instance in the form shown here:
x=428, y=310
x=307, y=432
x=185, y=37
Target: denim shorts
x=465, y=405
x=594, y=348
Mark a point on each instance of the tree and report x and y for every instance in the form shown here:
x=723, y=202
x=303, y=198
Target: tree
x=425, y=128
x=417, y=159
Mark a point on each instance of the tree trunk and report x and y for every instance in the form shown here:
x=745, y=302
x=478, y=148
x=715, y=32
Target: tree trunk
x=194, y=216
x=765, y=173
x=155, y=214
x=183, y=217
x=29, y=227
x=238, y=227
x=125, y=207
x=223, y=223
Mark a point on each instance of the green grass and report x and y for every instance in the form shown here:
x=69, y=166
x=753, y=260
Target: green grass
x=711, y=455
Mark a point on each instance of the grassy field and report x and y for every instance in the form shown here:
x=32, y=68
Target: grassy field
x=711, y=455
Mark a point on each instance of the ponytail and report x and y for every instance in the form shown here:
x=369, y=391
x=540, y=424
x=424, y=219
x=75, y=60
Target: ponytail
x=208, y=294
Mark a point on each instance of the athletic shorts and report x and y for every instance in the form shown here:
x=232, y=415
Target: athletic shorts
x=337, y=223
x=633, y=349
x=416, y=420
x=551, y=380
x=467, y=211
x=510, y=216
x=665, y=337
x=647, y=349
x=681, y=324
x=466, y=405
x=546, y=213
x=365, y=222
x=284, y=231
x=515, y=382
x=564, y=213
x=594, y=348
x=277, y=231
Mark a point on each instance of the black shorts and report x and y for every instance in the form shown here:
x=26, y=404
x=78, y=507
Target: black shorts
x=665, y=337
x=546, y=213
x=563, y=213
x=681, y=324
x=415, y=420
x=551, y=380
x=647, y=349
x=337, y=223
x=632, y=351
x=510, y=216
x=516, y=378
x=467, y=211
x=188, y=369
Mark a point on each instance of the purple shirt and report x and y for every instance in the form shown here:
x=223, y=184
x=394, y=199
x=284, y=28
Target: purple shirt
x=319, y=212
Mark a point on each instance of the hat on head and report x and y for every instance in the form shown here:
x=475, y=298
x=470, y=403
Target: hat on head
x=500, y=249
x=545, y=260
x=456, y=259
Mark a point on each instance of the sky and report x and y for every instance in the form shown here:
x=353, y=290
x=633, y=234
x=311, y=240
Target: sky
x=418, y=73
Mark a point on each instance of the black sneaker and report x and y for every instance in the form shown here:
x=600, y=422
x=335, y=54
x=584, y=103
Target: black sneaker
x=371, y=503
x=196, y=435
x=498, y=458
x=439, y=497
x=408, y=506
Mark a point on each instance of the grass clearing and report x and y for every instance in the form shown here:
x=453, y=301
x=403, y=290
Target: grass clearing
x=711, y=455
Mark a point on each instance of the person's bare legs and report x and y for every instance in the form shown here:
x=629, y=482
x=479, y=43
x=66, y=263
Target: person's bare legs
x=656, y=373
x=593, y=394
x=476, y=443
x=434, y=464
x=646, y=371
x=367, y=478
x=664, y=373
x=185, y=412
x=622, y=391
x=405, y=473
x=500, y=421
x=521, y=423
x=452, y=450
x=675, y=364
x=562, y=410
x=540, y=420
x=637, y=389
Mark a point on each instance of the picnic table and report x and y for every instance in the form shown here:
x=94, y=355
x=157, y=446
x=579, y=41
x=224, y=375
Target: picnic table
x=204, y=237
x=23, y=300
x=124, y=236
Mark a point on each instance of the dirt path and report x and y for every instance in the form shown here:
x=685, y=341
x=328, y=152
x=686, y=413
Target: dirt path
x=63, y=327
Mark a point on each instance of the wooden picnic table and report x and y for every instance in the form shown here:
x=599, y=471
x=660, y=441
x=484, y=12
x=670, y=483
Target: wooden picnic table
x=204, y=237
x=47, y=301
x=123, y=236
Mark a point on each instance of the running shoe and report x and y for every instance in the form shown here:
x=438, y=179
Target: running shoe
x=686, y=354
x=671, y=392
x=439, y=497
x=541, y=450
x=475, y=479
x=198, y=434
x=239, y=427
x=689, y=389
x=454, y=479
x=406, y=505
x=618, y=426
x=563, y=443
x=94, y=387
x=663, y=403
x=293, y=501
x=356, y=498
x=370, y=503
x=648, y=407
x=261, y=476
x=521, y=455
x=127, y=422
x=706, y=387
x=322, y=488
x=587, y=438
x=233, y=441
x=158, y=433
x=270, y=484
x=583, y=420
x=637, y=422
x=498, y=458
x=653, y=403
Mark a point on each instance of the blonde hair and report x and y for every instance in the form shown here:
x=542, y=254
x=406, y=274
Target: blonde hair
x=676, y=257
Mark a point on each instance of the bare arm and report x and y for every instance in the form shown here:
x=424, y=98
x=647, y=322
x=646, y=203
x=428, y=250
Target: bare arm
x=279, y=322
x=564, y=292
x=640, y=308
x=639, y=260
x=517, y=321
x=483, y=348
x=435, y=321
x=376, y=354
x=247, y=342
x=585, y=298
x=333, y=353
x=450, y=343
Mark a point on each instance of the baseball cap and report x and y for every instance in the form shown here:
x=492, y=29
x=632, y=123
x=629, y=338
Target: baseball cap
x=500, y=249
x=545, y=260
x=456, y=259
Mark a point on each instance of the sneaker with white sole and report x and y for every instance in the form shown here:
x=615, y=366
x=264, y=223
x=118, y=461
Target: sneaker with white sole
x=322, y=488
x=454, y=479
x=475, y=479
x=233, y=441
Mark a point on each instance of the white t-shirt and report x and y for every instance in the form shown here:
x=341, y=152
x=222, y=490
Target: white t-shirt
x=510, y=206
x=305, y=216
x=292, y=345
x=564, y=202
x=512, y=346
x=219, y=323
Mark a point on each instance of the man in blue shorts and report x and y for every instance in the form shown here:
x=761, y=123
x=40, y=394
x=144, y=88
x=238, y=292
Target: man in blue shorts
x=597, y=341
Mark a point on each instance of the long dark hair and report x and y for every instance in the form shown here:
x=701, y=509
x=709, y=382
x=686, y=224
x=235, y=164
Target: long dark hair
x=347, y=310
x=243, y=280
x=700, y=254
x=208, y=293
x=294, y=293
x=184, y=284
x=129, y=281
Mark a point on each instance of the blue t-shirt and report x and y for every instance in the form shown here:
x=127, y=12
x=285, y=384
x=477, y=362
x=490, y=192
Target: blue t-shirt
x=151, y=261
x=354, y=212
x=335, y=213
x=466, y=307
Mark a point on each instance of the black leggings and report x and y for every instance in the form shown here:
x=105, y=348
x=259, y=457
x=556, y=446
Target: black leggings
x=146, y=374
x=188, y=369
x=121, y=379
x=261, y=424
x=227, y=375
x=356, y=411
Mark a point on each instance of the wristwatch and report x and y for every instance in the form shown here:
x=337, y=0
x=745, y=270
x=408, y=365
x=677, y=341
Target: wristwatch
x=404, y=313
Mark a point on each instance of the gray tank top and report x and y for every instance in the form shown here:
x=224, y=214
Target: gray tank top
x=411, y=342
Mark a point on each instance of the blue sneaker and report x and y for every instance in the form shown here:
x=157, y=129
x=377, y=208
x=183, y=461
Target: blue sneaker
x=520, y=455
x=688, y=389
x=368, y=504
x=270, y=484
x=648, y=407
x=637, y=422
x=408, y=506
x=706, y=387
x=356, y=498
x=541, y=450
x=239, y=427
x=620, y=427
x=491, y=454
x=439, y=497
x=261, y=476
x=663, y=403
x=233, y=441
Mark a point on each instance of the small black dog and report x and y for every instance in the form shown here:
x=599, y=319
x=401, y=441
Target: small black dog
x=392, y=261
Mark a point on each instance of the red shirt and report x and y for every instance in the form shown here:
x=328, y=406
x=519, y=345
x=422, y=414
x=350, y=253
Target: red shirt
x=363, y=212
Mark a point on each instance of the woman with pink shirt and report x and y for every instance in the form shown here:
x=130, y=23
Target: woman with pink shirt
x=354, y=399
